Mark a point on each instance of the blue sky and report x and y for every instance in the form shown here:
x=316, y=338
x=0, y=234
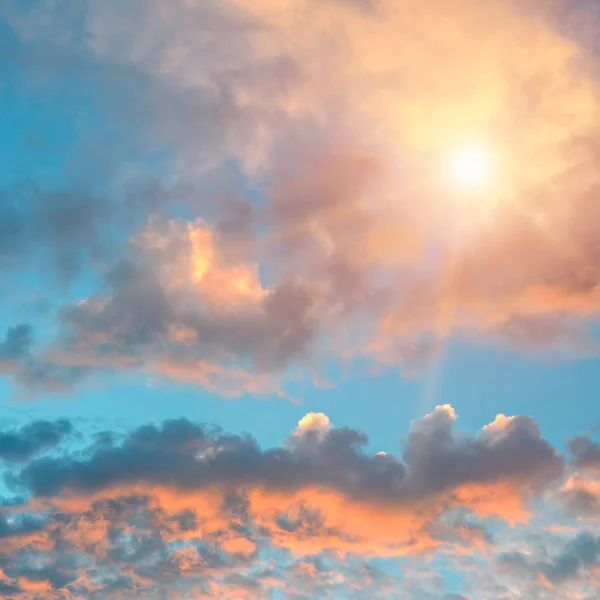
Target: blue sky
x=299, y=300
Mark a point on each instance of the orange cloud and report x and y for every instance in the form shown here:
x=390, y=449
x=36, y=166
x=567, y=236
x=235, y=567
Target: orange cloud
x=184, y=505
x=318, y=490
x=360, y=244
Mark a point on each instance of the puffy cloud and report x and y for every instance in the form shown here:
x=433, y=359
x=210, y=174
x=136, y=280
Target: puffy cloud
x=18, y=445
x=187, y=312
x=518, y=452
x=581, y=495
x=312, y=427
x=313, y=422
x=581, y=492
x=192, y=509
x=575, y=557
x=586, y=452
x=583, y=552
x=321, y=487
x=325, y=137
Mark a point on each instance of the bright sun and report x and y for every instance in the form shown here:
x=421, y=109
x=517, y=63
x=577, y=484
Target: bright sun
x=470, y=167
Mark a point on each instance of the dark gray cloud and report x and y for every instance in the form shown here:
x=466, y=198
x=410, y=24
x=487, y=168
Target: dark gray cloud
x=188, y=456
x=580, y=553
x=577, y=556
x=585, y=451
x=20, y=527
x=514, y=449
x=18, y=445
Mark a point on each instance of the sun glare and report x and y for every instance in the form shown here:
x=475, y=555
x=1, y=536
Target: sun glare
x=470, y=167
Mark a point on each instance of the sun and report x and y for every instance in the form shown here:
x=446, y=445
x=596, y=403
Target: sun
x=470, y=167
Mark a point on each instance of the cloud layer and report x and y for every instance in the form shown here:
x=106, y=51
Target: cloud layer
x=194, y=510
x=299, y=207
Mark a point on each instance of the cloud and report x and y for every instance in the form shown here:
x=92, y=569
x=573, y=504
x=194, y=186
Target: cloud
x=20, y=528
x=16, y=345
x=576, y=556
x=581, y=495
x=19, y=445
x=312, y=427
x=18, y=359
x=580, y=553
x=301, y=210
x=192, y=509
x=319, y=488
x=586, y=452
x=185, y=312
x=51, y=231
x=502, y=449
x=298, y=209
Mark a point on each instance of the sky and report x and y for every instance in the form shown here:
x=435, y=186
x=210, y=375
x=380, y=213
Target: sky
x=300, y=299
